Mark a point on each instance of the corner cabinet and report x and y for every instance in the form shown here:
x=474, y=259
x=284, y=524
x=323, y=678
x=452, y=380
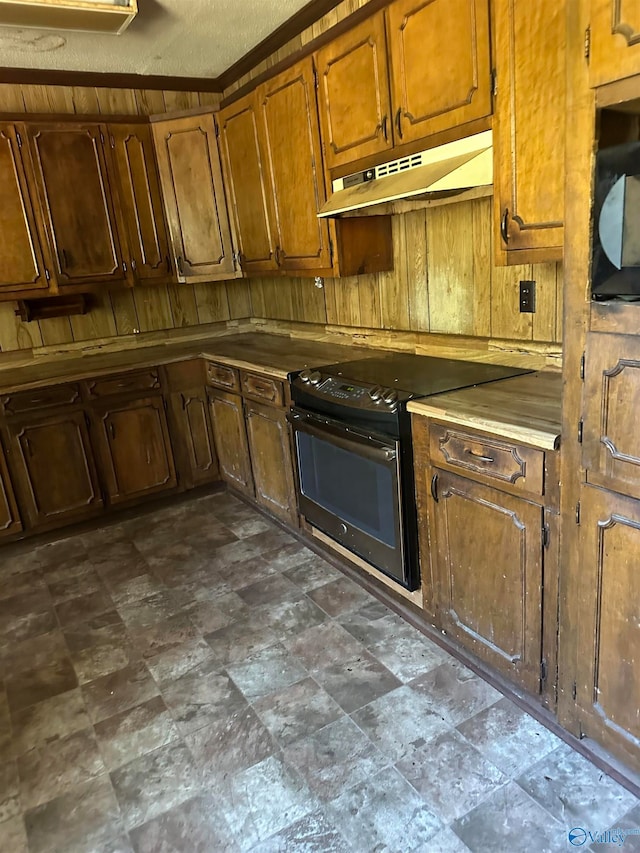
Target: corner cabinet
x=195, y=203
x=615, y=40
x=25, y=264
x=10, y=523
x=82, y=219
x=440, y=65
x=231, y=440
x=529, y=130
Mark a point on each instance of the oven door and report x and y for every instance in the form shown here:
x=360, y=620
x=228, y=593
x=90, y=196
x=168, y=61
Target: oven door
x=349, y=487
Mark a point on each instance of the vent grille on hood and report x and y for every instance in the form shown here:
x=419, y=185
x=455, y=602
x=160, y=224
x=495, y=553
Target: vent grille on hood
x=456, y=166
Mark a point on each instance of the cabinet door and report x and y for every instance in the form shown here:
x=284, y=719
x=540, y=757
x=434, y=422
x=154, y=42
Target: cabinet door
x=54, y=470
x=134, y=449
x=291, y=141
x=611, y=443
x=271, y=460
x=353, y=96
x=22, y=262
x=9, y=518
x=248, y=185
x=529, y=133
x=194, y=197
x=487, y=553
x=141, y=201
x=440, y=65
x=80, y=216
x=608, y=627
x=231, y=440
x=615, y=40
x=194, y=436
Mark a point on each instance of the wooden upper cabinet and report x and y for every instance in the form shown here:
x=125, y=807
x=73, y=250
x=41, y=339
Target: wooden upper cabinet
x=529, y=130
x=22, y=260
x=353, y=94
x=611, y=443
x=290, y=139
x=141, y=200
x=248, y=185
x=81, y=219
x=615, y=40
x=191, y=178
x=440, y=65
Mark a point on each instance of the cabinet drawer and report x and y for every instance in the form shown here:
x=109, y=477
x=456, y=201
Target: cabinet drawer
x=496, y=460
x=222, y=376
x=262, y=388
x=40, y=398
x=124, y=383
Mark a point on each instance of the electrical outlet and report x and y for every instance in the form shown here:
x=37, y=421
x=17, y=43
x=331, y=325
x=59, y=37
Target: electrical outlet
x=527, y=297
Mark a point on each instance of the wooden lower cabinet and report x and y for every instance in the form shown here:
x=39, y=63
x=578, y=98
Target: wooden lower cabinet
x=53, y=468
x=9, y=518
x=486, y=552
x=231, y=440
x=134, y=449
x=607, y=621
x=271, y=460
x=193, y=437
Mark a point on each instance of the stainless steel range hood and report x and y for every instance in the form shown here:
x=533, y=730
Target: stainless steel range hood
x=456, y=166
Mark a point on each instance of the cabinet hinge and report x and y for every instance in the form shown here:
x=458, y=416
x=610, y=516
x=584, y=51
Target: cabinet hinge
x=494, y=82
x=583, y=360
x=215, y=124
x=47, y=274
x=574, y=691
x=580, y=430
x=102, y=137
x=112, y=141
x=543, y=670
x=87, y=420
x=578, y=513
x=330, y=252
x=587, y=43
x=315, y=78
x=19, y=138
x=545, y=535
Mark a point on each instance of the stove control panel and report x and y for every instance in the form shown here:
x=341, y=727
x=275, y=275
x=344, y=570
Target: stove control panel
x=362, y=396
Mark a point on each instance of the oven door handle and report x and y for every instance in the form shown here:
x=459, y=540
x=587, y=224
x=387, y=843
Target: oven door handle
x=366, y=446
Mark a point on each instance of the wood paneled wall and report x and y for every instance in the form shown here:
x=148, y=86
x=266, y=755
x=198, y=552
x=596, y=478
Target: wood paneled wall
x=145, y=309
x=444, y=281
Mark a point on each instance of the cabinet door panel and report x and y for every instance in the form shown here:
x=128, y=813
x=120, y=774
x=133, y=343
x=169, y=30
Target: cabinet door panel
x=529, y=128
x=79, y=212
x=22, y=262
x=9, y=519
x=141, y=200
x=194, y=197
x=608, y=687
x=195, y=436
x=611, y=445
x=231, y=440
x=615, y=40
x=135, y=449
x=248, y=185
x=54, y=469
x=291, y=140
x=353, y=97
x=271, y=460
x=440, y=65
x=488, y=568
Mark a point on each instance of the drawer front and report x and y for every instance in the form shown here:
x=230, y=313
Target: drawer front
x=262, y=388
x=496, y=460
x=125, y=383
x=222, y=376
x=41, y=398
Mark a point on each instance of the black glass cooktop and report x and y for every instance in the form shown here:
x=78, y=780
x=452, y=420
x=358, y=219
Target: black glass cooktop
x=417, y=375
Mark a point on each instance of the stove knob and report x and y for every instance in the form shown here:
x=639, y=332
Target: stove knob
x=390, y=397
x=305, y=375
x=376, y=393
x=315, y=377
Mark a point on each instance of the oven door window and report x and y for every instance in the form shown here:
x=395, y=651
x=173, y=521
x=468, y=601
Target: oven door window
x=355, y=487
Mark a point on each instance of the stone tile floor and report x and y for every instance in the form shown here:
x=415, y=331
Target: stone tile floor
x=194, y=679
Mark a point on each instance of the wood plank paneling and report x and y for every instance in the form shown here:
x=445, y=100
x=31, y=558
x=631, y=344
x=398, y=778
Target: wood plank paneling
x=239, y=296
x=212, y=302
x=117, y=102
x=149, y=102
x=56, y=331
x=99, y=322
x=124, y=312
x=48, y=99
x=183, y=305
x=153, y=308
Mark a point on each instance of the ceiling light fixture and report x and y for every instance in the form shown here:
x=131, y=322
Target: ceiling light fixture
x=98, y=16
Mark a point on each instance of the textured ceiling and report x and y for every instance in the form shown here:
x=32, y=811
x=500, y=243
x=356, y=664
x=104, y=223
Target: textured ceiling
x=178, y=38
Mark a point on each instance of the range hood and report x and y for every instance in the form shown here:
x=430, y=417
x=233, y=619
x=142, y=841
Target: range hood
x=453, y=167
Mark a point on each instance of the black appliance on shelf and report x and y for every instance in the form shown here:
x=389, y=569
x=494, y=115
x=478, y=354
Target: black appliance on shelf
x=352, y=436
